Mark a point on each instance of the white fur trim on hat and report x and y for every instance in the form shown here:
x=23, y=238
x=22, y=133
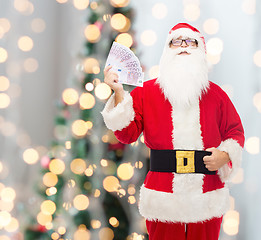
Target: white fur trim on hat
x=186, y=208
x=234, y=151
x=119, y=117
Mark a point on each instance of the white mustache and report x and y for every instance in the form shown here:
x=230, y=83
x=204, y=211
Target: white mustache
x=180, y=50
x=184, y=50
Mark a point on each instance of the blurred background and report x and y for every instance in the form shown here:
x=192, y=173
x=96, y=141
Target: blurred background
x=63, y=175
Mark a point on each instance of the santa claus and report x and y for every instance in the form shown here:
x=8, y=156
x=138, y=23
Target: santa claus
x=195, y=136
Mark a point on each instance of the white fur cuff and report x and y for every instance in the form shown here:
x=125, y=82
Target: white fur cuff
x=234, y=151
x=119, y=117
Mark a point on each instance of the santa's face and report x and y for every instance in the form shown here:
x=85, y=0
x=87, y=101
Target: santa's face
x=183, y=71
x=183, y=43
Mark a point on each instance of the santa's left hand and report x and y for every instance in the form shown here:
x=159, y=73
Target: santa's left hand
x=216, y=160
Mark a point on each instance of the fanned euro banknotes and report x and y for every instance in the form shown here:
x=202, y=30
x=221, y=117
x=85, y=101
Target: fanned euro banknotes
x=125, y=64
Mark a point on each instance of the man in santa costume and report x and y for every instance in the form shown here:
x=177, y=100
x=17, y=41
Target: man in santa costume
x=195, y=136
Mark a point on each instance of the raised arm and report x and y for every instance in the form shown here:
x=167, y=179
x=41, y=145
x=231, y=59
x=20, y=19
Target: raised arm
x=123, y=111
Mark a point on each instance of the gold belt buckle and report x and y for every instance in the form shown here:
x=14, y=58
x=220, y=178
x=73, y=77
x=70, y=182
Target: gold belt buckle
x=180, y=163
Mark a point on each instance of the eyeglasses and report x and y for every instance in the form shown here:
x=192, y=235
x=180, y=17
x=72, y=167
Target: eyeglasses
x=189, y=42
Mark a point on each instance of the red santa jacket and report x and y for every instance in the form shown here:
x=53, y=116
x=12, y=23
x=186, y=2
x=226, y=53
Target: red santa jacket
x=210, y=122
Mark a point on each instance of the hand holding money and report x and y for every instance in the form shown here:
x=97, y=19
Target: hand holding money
x=112, y=79
x=125, y=65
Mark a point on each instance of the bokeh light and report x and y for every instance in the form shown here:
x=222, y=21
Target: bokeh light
x=50, y=179
x=148, y=38
x=30, y=156
x=38, y=25
x=95, y=224
x=24, y=6
x=211, y=26
x=106, y=234
x=154, y=72
x=55, y=236
x=70, y=96
x=8, y=194
x=3, y=55
x=91, y=65
x=125, y=39
x=25, y=43
x=252, y=145
x=249, y=7
x=114, y=221
x=81, y=4
x=119, y=3
x=51, y=191
x=61, y=1
x=81, y=202
x=21, y=5
x=125, y=171
x=89, y=171
x=14, y=69
x=79, y=128
x=87, y=101
x=214, y=46
x=30, y=65
x=257, y=58
x=82, y=234
x=120, y=23
x=78, y=166
x=257, y=101
x=12, y=226
x=131, y=189
x=93, y=5
x=231, y=222
x=97, y=193
x=239, y=177
x=68, y=144
x=43, y=219
x=48, y=207
x=4, y=100
x=5, y=218
x=111, y=183
x=57, y=166
x=1, y=169
x=2, y=32
x=102, y=91
x=4, y=237
x=5, y=25
x=92, y=33
x=89, y=86
x=131, y=199
x=159, y=10
x=8, y=129
x=61, y=230
x=191, y=12
x=213, y=59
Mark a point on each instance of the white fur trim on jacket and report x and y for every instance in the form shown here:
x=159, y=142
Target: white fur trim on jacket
x=119, y=117
x=183, y=207
x=234, y=151
x=186, y=132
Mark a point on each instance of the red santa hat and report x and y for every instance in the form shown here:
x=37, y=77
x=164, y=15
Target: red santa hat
x=187, y=31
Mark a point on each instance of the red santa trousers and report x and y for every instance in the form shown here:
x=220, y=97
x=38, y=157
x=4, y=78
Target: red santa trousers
x=208, y=230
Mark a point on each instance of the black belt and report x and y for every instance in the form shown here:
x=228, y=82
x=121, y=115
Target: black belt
x=179, y=161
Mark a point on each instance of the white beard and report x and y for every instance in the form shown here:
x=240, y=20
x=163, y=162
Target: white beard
x=183, y=78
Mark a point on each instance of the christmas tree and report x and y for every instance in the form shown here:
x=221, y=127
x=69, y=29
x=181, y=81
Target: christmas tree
x=89, y=179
